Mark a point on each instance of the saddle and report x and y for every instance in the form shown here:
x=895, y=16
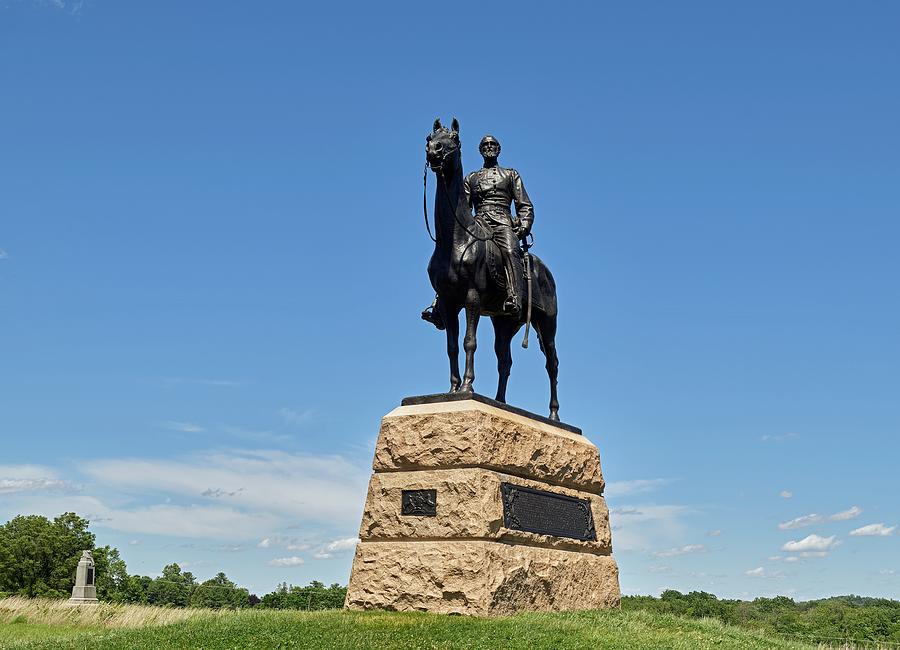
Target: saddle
x=495, y=264
x=497, y=270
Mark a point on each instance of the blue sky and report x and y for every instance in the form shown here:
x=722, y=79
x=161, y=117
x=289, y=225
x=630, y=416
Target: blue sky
x=212, y=260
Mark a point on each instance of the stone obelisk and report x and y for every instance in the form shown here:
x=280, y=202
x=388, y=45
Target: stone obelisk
x=85, y=591
x=478, y=508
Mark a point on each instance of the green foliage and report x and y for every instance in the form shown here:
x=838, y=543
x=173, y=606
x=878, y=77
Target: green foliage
x=38, y=557
x=843, y=617
x=315, y=596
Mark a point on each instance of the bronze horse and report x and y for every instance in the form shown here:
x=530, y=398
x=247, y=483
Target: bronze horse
x=461, y=273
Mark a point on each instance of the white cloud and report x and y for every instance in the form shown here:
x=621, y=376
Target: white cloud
x=3, y=254
x=774, y=558
x=290, y=416
x=342, y=544
x=134, y=542
x=811, y=543
x=225, y=548
x=785, y=494
x=163, y=496
x=852, y=513
x=800, y=522
x=887, y=572
x=809, y=520
x=276, y=485
x=10, y=485
x=31, y=478
x=714, y=533
x=760, y=572
x=873, y=530
x=286, y=561
x=681, y=550
x=779, y=438
x=337, y=546
x=792, y=558
x=638, y=486
x=659, y=568
x=183, y=427
x=71, y=7
x=290, y=543
x=218, y=493
x=161, y=519
x=650, y=526
x=26, y=471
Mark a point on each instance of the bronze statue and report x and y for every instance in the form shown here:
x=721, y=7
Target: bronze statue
x=490, y=191
x=477, y=263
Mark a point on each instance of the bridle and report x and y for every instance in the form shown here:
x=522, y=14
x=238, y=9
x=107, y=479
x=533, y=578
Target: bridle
x=439, y=169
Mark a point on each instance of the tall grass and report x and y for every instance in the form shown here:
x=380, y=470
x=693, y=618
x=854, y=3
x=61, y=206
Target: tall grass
x=102, y=615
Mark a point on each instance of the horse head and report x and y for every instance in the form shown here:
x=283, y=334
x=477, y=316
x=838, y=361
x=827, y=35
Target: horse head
x=442, y=149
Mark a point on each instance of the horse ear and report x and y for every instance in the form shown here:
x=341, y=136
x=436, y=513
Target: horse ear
x=455, y=126
x=437, y=124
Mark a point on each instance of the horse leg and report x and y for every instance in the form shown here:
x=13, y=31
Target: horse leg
x=473, y=313
x=504, y=330
x=546, y=330
x=450, y=315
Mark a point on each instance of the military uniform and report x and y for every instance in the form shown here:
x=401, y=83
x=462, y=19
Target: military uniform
x=490, y=191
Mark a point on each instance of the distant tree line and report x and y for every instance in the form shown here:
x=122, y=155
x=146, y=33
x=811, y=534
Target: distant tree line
x=38, y=558
x=314, y=596
x=841, y=617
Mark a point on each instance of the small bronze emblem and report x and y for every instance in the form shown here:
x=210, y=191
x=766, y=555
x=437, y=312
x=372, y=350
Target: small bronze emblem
x=419, y=503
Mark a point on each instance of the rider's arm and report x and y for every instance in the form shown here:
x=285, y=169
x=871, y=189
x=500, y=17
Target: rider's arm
x=524, y=208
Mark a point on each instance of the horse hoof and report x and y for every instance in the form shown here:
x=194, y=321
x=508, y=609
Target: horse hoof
x=466, y=388
x=554, y=415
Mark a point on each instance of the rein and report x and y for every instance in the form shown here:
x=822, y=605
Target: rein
x=425, y=202
x=449, y=204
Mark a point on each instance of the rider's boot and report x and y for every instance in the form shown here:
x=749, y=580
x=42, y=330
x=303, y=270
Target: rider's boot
x=511, y=305
x=433, y=315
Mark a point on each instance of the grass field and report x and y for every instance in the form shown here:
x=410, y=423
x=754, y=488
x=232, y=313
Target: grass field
x=45, y=624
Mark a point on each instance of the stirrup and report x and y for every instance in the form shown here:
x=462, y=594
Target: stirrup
x=511, y=306
x=431, y=315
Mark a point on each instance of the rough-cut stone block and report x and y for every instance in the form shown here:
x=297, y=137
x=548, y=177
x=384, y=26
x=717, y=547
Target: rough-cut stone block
x=452, y=551
x=473, y=434
x=469, y=505
x=479, y=578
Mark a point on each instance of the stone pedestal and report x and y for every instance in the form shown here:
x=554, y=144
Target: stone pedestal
x=478, y=509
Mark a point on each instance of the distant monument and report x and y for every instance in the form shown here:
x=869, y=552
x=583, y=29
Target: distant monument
x=85, y=589
x=476, y=507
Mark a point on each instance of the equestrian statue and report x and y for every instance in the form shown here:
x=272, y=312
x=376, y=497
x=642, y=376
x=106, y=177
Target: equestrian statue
x=478, y=264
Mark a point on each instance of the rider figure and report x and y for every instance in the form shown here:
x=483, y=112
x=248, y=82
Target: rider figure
x=490, y=191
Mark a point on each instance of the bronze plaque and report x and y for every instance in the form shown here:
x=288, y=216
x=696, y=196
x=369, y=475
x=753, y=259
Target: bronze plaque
x=419, y=503
x=547, y=513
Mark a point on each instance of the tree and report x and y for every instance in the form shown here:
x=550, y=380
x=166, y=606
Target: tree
x=112, y=574
x=38, y=557
x=220, y=592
